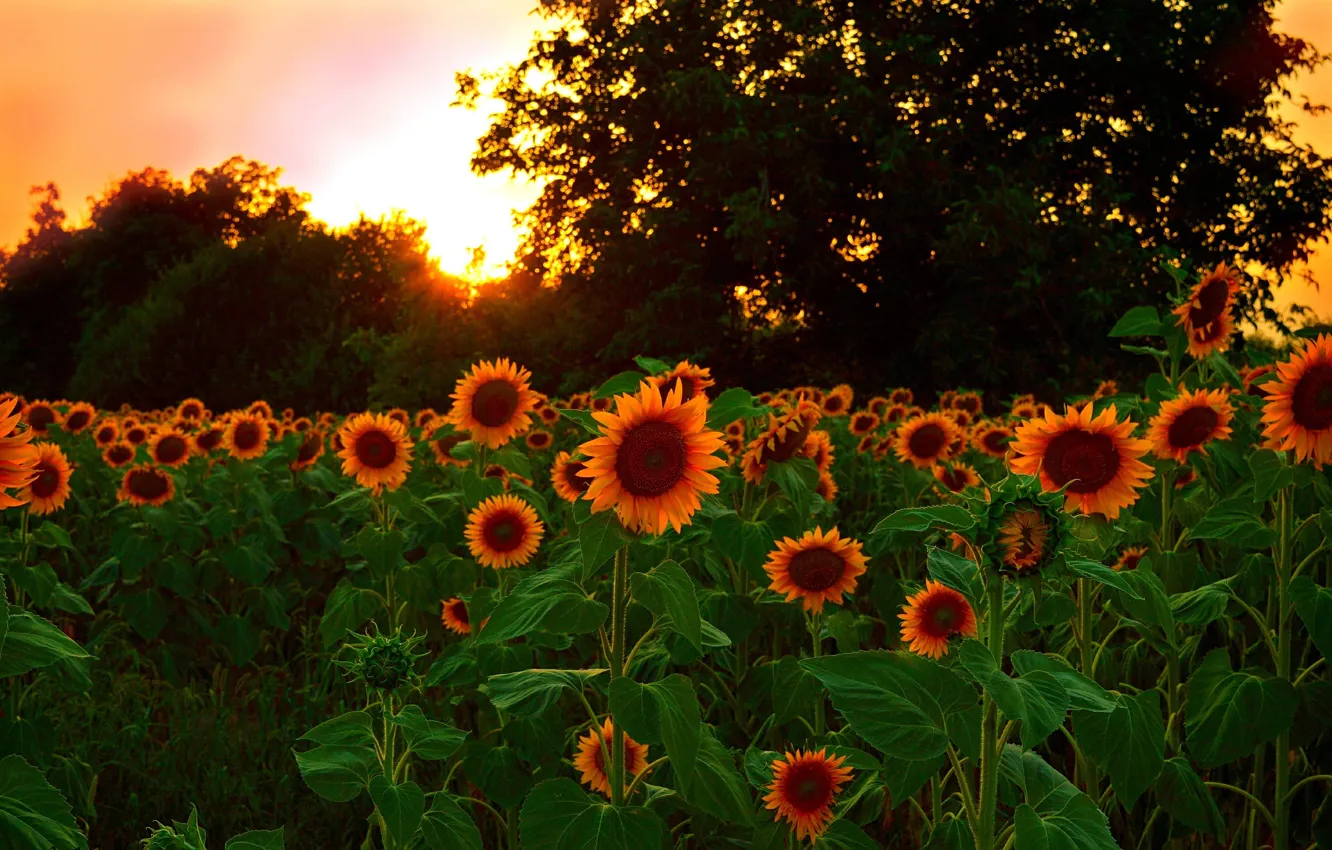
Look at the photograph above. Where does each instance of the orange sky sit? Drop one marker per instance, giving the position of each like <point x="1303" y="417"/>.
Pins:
<point x="350" y="97"/>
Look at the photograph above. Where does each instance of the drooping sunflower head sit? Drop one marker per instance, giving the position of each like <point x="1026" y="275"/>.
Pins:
<point x="933" y="616"/>
<point x="819" y="448"/>
<point x="827" y="487"/>
<point x="190" y="408"/>
<point x="309" y="451"/>
<point x="696" y="379"/>
<point x="454" y="616"/>
<point x="375" y="451"/>
<point x="1129" y="558"/>
<point x="78" y="417"/>
<point x="803" y="788"/>
<point x="991" y="438"/>
<point x="106" y="433"/>
<point x="1187" y="422"/>
<point x="118" y="454"/>
<point x="593" y="749"/>
<point x="1255" y="379"/>
<point x="493" y="402"/>
<point x="652" y="459"/>
<point x="1094" y="459"/>
<point x="40" y="416"/>
<point x="247" y="435"/>
<point x="863" y="423"/>
<point x="785" y="436"/>
<point x="956" y="477"/>
<point x="538" y="440"/>
<point x="1297" y="415"/>
<point x="48" y="491"/>
<point x="1206" y="315"/>
<point x="146" y="485"/>
<point x="503" y="531"/>
<point x="815" y="569"/>
<point x="926" y="440"/>
<point x="564" y="477"/>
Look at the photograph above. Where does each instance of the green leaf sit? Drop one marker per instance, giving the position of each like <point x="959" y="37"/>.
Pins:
<point x="1270" y="474"/>
<point x="258" y="839"/>
<point x="351" y="729"/>
<point x="447" y="827"/>
<point x="338" y="773"/>
<point x="1235" y="521"/>
<point x="904" y="778"/>
<point x="896" y="701"/>
<point x="667" y="589"/>
<point x="664" y="712"/>
<point x="1101" y="574"/>
<point x="746" y="543"/>
<point x="599" y="538"/>
<point x="1228" y="713"/>
<point x="558" y="815"/>
<point x="498" y="773"/>
<point x="346" y="609"/>
<point x="734" y="404"/>
<point x="953" y="834"/>
<point x="951" y="517"/>
<point x="1181" y="792"/>
<point x="718" y="787"/>
<point x="954" y="571"/>
<point x="625" y="382"/>
<point x="530" y="692"/>
<point x="400" y="807"/>
<point x="33" y="814"/>
<point x="793" y="689"/>
<point x="1201" y="606"/>
<point x="543" y="602"/>
<point x="51" y="536"/>
<point x="1314" y="605"/>
<point x="381" y="549"/>
<point x="1037" y="699"/>
<point x="652" y="365"/>
<point x="1083" y="693"/>
<point x="797" y="478"/>
<point x="845" y="835"/>
<point x="1138" y="321"/>
<point x="32" y="642"/>
<point x="1128" y="742"/>
<point x="429" y="739"/>
<point x="1077" y="826"/>
<point x="583" y="418"/>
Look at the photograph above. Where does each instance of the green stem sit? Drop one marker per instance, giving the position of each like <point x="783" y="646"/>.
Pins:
<point x="619" y="588"/>
<point x="1253" y="801"/>
<point x="1091" y="778"/>
<point x="816" y="632"/>
<point x="1282" y="814"/>
<point x="983" y="831"/>
<point x="1167" y="516"/>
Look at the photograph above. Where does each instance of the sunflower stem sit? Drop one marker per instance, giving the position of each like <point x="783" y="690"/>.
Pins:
<point x="619" y="586"/>
<point x="816" y="633"/>
<point x="990" y="747"/>
<point x="1091" y="780"/>
<point x="1280" y="803"/>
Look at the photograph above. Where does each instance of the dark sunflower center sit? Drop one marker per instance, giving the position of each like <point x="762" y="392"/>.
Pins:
<point x="942" y="617"/>
<point x="688" y="389"/>
<point x="171" y="449"/>
<point x="809" y="787"/>
<point x="40" y="417"/>
<point x="1089" y="461"/>
<point x="1131" y="561"/>
<point x="190" y="411"/>
<point x="651" y="459"/>
<point x="571" y="476"/>
<point x="1311" y="403"/>
<point x="147" y="484"/>
<point x="46" y="482"/>
<point x="503" y="532"/>
<point x="444" y="444"/>
<point x="816" y="569"/>
<point x="1212" y="300"/>
<point x="460" y="613"/>
<point x="597" y="755"/>
<point x="375" y="449"/>
<point x="970" y="404"/>
<point x="208" y="440"/>
<point x="136" y="435"/>
<point x="247" y="436"/>
<point x="78" y="420"/>
<point x="863" y="423"/>
<point x="995" y="441"/>
<point x="309" y="447"/>
<point x="954" y="479"/>
<point x="832" y="403"/>
<point x="119" y="454"/>
<point x="927" y="441"/>
<point x="1193" y="427"/>
<point x="494" y="403"/>
<point x="787" y="444"/>
<point x="106" y="434"/>
<point x="538" y="440"/>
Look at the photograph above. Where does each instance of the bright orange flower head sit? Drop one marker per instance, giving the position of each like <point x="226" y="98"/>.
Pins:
<point x="902" y="396"/>
<point x="538" y="439"/>
<point x="503" y="531"/>
<point x="18" y="458"/>
<point x="1129" y="558"/>
<point x="493" y="402"/>
<point x="49" y="490"/>
<point x="454" y="616"/>
<point x="815" y="569"/>
<point x="442" y="441"/>
<point x="208" y="438"/>
<point x="819" y="448"/>
<point x="146" y="485"/>
<point x="246" y="436"/>
<point x="862" y="423"/>
<point x="1188" y="422"/>
<point x="787" y="434"/>
<point x="1205" y="316"/>
<point x="991" y="438"/>
<point x="1023" y="538"/>
<point x="106" y="432"/>
<point x="1095" y="457"/>
<point x="696" y="379"/>
<point x="878" y="405"/>
<point x="652" y="459"/>
<point x="79" y="416"/>
<point x="191" y="408"/>
<point x="926" y="440"/>
<point x="261" y="409"/>
<point x="169" y="447"/>
<point x="118" y="454"/>
<point x="827" y="487"/>
<point x="40" y="416"/>
<point x="804" y="785"/>
<point x="838" y="401"/>
<point x="1297" y="415"/>
<point x="934" y="615"/>
<point x="591" y="759"/>
<point x="375" y="451"/>
<point x="565" y="479"/>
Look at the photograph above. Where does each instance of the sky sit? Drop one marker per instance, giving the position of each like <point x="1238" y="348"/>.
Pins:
<point x="349" y="97"/>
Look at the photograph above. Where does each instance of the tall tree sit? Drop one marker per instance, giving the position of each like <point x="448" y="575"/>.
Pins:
<point x="913" y="192"/>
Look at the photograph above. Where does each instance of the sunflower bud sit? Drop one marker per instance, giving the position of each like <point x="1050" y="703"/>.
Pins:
<point x="384" y="662"/>
<point x="1024" y="529"/>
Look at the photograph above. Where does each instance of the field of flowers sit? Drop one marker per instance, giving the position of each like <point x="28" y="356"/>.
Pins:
<point x="666" y="613"/>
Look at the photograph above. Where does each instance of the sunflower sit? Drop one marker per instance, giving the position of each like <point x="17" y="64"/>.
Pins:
<point x="960" y="417"/>
<point x="208" y="438"/>
<point x="538" y="440"/>
<point x="902" y="396"/>
<point x="819" y="448"/>
<point x="1026" y="410"/>
<point x="1094" y="458"/>
<point x="1298" y="412"/>
<point x="48" y="491"/>
<point x="1023" y="538"/>
<point x="288" y="414"/>
<point x="454" y="616"/>
<point x="962" y="545"/>
<point x="499" y="473"/>
<point x="578" y="401"/>
<point x="887" y="445"/>
<point x="310" y="450"/>
<point x="827" y="487"/>
<point x="765" y="398"/>
<point x="599" y="405"/>
<point x="1185" y="477"/>
<point x="1251" y="378"/>
<point x="1188" y="422"/>
<point x="40" y="416"/>
<point x="785" y="435"/>
<point x="946" y="399"/>
<point x="247" y="435"/>
<point x="1129" y="558"/>
<point x="397" y="414"/>
<point x="17" y="457"/>
<point x="652" y="459"/>
<point x="503" y="531"/>
<point x="866" y="444"/>
<point x="735" y="429"/>
<point x="425" y="418"/>
<point x="262" y="409"/>
<point x="968" y="402"/>
<point x="169" y="447"/>
<point x="548" y="415"/>
<point x="838" y="401"/>
<point x="1106" y="389"/>
<point x="991" y="438"/>
<point x="492" y="402"/>
<point x="190" y="408"/>
<point x="696" y="379"/>
<point x="118" y="454"/>
<point x="375" y="451"/>
<point x="927" y="440"/>
<point x="565" y="479"/>
<point x="442" y="441"/>
<point x="106" y="432"/>
<point x="79" y="416"/>
<point x="956" y="477"/>
<point x="878" y="405"/>
<point x="862" y="423"/>
<point x="894" y="413"/>
<point x="932" y="616"/>
<point x="817" y="568"/>
<point x="146" y="485"/>
<point x="591" y="759"/>
<point x="804" y="785"/>
<point x="1205" y="316"/>
<point x="328" y="420"/>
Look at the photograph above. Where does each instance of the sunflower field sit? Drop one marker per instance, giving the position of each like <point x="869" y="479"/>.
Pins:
<point x="669" y="614"/>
